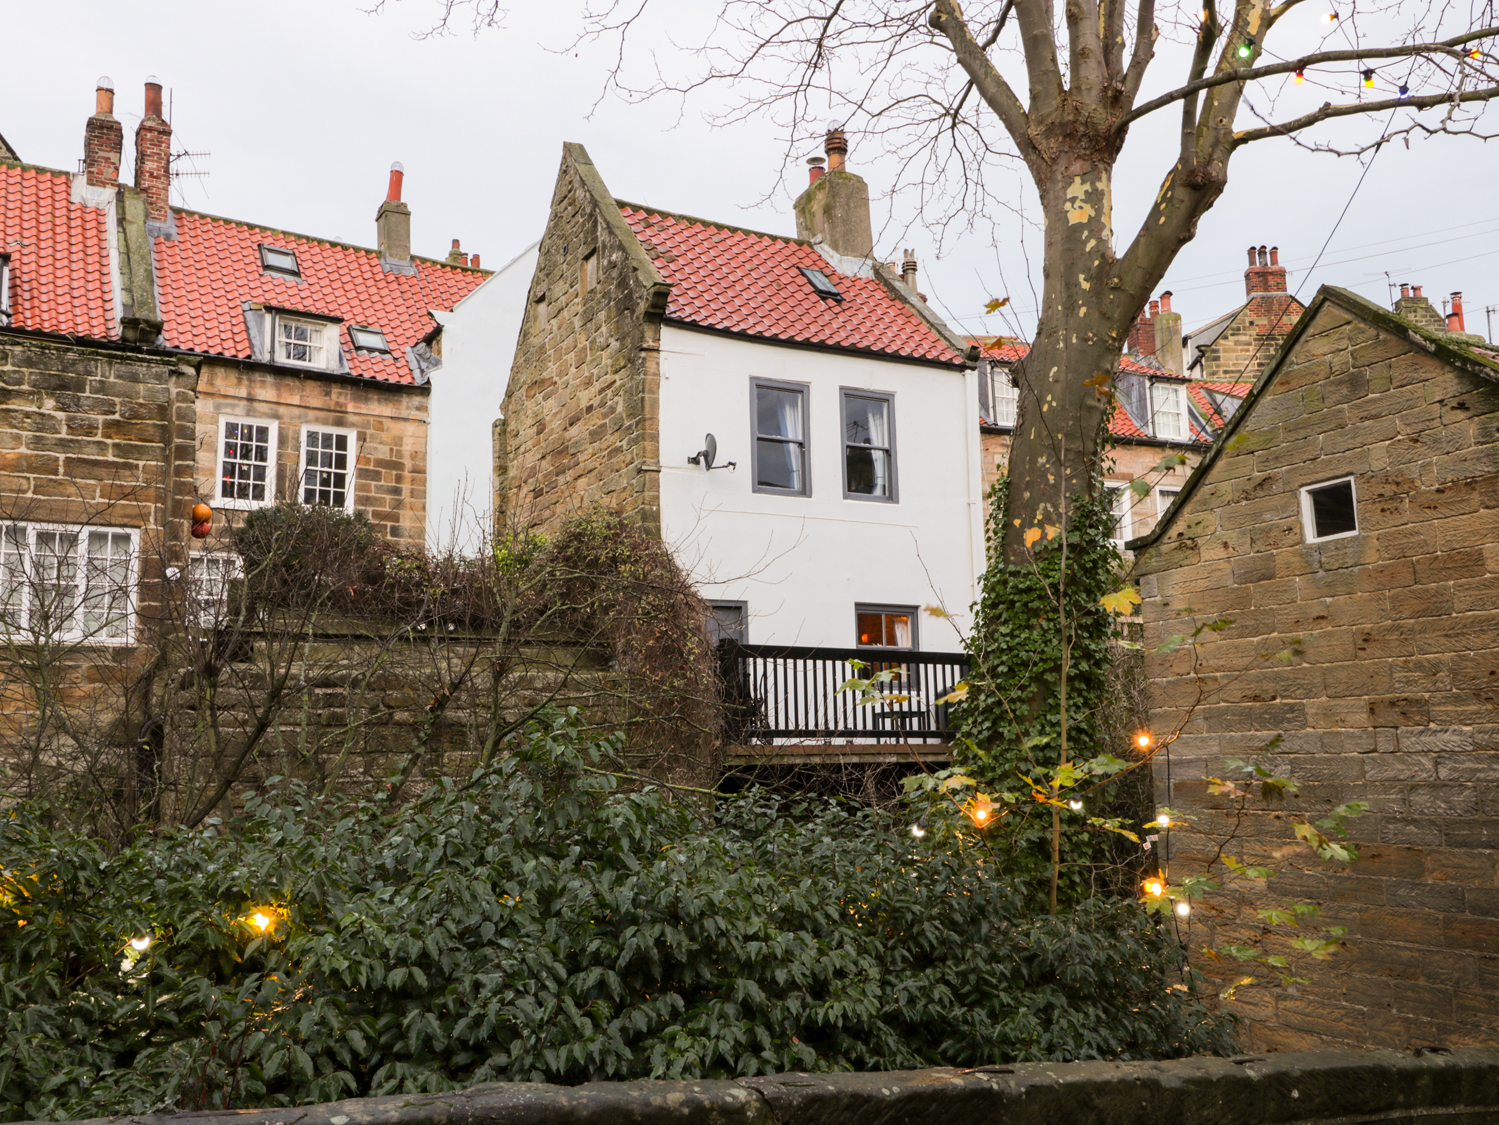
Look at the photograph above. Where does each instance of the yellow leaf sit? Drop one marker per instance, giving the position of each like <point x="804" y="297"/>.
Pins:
<point x="995" y="305"/>
<point x="1032" y="536"/>
<point x="937" y="611"/>
<point x="1228" y="993"/>
<point x="957" y="695"/>
<point x="957" y="781"/>
<point x="1102" y="380"/>
<point x="1121" y="601"/>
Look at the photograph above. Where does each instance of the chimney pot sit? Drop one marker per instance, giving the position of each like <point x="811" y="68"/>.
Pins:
<point x="1455" y="317"/>
<point x="103" y="139"/>
<point x="104" y="95"/>
<point x="1405" y="289"/>
<point x="1416" y="290"/>
<point x="474" y="261"/>
<point x="1166" y="301"/>
<point x="1155" y="309"/>
<point x="908" y="269"/>
<point x="836" y="146"/>
<point x="397" y="178"/>
<point x="1253" y="259"/>
<point x="835" y="209"/>
<point x="153" y="96"/>
<point x="464" y="259"/>
<point x="1264" y="257"/>
<point x="814" y="169"/>
<point x="1275" y="255"/>
<point x="393" y="224"/>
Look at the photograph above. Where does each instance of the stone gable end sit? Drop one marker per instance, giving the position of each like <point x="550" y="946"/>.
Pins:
<point x="580" y="417"/>
<point x="1391" y="690"/>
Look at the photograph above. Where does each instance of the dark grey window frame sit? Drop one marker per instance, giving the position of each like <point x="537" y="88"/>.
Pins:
<point x="743" y="607"/>
<point x="281" y="271"/>
<point x="888" y="397"/>
<point x="911" y="611"/>
<point x="1309" y="515"/>
<point x="823" y="285"/>
<point x="805" y="390"/>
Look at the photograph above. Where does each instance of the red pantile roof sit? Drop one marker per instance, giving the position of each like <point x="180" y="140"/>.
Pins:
<point x="1007" y="349"/>
<point x="750" y="283"/>
<point x="59" y="255"/>
<point x="207" y="273"/>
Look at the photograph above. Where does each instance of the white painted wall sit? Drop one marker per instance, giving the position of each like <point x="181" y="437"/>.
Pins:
<point x="478" y="346"/>
<point x="803" y="562"/>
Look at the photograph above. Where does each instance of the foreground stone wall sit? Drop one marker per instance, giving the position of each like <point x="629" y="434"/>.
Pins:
<point x="1391" y="690"/>
<point x="1335" y="1087"/>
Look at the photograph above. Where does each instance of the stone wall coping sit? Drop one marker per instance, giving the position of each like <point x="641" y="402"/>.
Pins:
<point x="1458" y="1086"/>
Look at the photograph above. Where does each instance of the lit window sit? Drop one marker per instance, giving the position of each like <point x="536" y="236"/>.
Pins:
<point x="327" y="474"/>
<point x="273" y="259"/>
<point x="67" y="583"/>
<point x="302" y="342"/>
<point x="821" y="283"/>
<point x="368" y="339"/>
<point x="886" y="626"/>
<point x="1329" y="510"/>
<point x="247" y="462"/>
<point x="780" y="438"/>
<point x="1163" y="499"/>
<point x="1168" y="411"/>
<point x="209" y="579"/>
<point x="4" y="290"/>
<point x="868" y="447"/>
<point x="1003" y="395"/>
<point x="588" y="271"/>
<point x="1120" y="501"/>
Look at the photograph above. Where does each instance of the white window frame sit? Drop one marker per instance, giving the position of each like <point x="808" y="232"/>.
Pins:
<point x="79" y="581"/>
<point x="302" y="468"/>
<point x="330" y="345"/>
<point x="1309" y="519"/>
<point x="1163" y="499"/>
<point x="1178" y="395"/>
<point x="1004" y="397"/>
<point x="207" y="595"/>
<point x="1121" y="505"/>
<point x="5" y="314"/>
<point x="234" y="503"/>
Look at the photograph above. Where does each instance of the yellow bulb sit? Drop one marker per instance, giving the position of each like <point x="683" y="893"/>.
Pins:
<point x="1154" y="888"/>
<point x="1142" y="741"/>
<point x="1330" y="17"/>
<point x="918" y="831"/>
<point x="981" y="814"/>
<point x="1183" y="908"/>
<point x="1163" y="821"/>
<point x="140" y="944"/>
<point x="261" y="920"/>
<point x="1075" y="806"/>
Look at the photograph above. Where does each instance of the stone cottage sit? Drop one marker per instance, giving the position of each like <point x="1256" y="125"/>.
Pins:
<point x="1348" y="520"/>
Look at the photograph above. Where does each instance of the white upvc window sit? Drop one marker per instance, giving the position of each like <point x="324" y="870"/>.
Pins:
<point x="67" y="583"/>
<point x="1329" y="510"/>
<point x="1164" y="498"/>
<point x="247" y="462"/>
<point x="304" y="343"/>
<point x="1168" y="411"/>
<point x="1003" y="395"/>
<point x="327" y="472"/>
<point x="1121" y="499"/>
<point x="209" y="578"/>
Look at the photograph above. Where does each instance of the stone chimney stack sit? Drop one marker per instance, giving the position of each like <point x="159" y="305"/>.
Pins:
<point x="1418" y="310"/>
<point x="103" y="139"/>
<point x="1168" y="338"/>
<point x="835" y="206"/>
<point x="1265" y="273"/>
<point x="455" y="255"/>
<point x="1455" y="317"/>
<point x="393" y="223"/>
<point x="153" y="156"/>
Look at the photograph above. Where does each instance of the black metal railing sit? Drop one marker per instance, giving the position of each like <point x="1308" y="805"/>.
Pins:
<point x="774" y="692"/>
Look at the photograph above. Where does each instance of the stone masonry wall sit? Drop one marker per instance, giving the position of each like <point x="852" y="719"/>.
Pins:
<point x="581" y="421"/>
<point x="1252" y="338"/>
<point x="1392" y="696"/>
<point x="391" y="482"/>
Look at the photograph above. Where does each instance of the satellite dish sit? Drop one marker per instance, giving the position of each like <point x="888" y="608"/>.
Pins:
<point x="710" y="451"/>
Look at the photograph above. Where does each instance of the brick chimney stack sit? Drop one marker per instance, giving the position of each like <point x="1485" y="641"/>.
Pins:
<point x="835" y="206"/>
<point x="1141" y="339"/>
<point x="393" y="223"/>
<point x="153" y="156"/>
<point x="1455" y="317"/>
<point x="103" y="139"/>
<point x="1265" y="273"/>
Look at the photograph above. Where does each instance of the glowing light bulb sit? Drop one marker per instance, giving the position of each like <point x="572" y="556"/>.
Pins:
<point x="140" y="944"/>
<point x="1368" y="80"/>
<point x="262" y="920"/>
<point x="980" y="814"/>
<point x="1163" y="822"/>
<point x="1473" y="54"/>
<point x="1300" y="77"/>
<point x="1075" y="806"/>
<point x="1246" y="48"/>
<point x="1142" y="740"/>
<point x="1154" y="887"/>
<point x="1183" y="909"/>
<point x="918" y="831"/>
<point x="1330" y="17"/>
<point x="1405" y="91"/>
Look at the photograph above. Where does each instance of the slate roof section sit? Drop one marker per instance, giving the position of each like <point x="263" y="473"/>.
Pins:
<point x="212" y="267"/>
<point x="59" y="255"/>
<point x="751" y="284"/>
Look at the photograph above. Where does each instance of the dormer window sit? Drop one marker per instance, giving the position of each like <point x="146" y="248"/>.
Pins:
<point x="1168" y="411"/>
<point x="821" y="283"/>
<point x="368" y="339"/>
<point x="273" y="259"/>
<point x="4" y="290"/>
<point x="302" y="342"/>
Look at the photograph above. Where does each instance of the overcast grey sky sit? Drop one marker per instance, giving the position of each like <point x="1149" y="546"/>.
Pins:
<point x="303" y="104"/>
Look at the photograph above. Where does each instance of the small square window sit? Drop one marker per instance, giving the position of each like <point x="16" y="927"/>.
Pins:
<point x="273" y="259"/>
<point x="1329" y="510"/>
<point x="727" y="621"/>
<point x="821" y="283"/>
<point x="368" y="339"/>
<point x="886" y="626"/>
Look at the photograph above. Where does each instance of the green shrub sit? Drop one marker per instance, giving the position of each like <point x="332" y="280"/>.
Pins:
<point x="537" y="922"/>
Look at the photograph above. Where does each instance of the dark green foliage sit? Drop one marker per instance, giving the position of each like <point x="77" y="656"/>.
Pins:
<point x="298" y="555"/>
<point x="539" y="923"/>
<point x="1011" y="722"/>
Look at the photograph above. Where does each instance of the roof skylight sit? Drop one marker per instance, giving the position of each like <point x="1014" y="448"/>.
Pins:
<point x="821" y="283"/>
<point x="273" y="259"/>
<point x="368" y="339"/>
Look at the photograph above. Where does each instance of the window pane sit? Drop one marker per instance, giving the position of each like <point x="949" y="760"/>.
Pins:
<point x="1119" y="502"/>
<point x="779" y="413"/>
<point x="1004" y="397"/>
<point x="778" y="465"/>
<point x="1166" y="405"/>
<point x="871" y="629"/>
<point x="325" y="478"/>
<point x="12" y="577"/>
<point x="726" y="623"/>
<point x="866" y="421"/>
<point x="868" y="471"/>
<point x="106" y="592"/>
<point x="1332" y="510"/>
<point x="54" y="582"/>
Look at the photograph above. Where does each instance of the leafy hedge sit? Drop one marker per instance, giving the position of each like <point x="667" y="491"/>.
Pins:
<point x="537" y="922"/>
